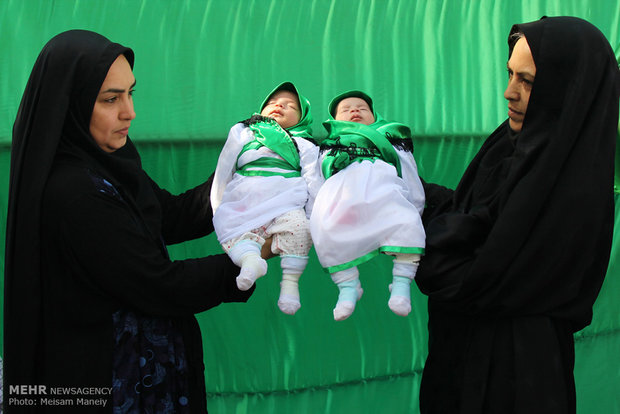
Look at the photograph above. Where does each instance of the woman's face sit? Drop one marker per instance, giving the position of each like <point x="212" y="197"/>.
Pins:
<point x="354" y="109"/>
<point x="113" y="110"/>
<point x="283" y="106"/>
<point x="521" y="74"/>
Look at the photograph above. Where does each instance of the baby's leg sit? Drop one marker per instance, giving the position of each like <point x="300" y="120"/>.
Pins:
<point x="292" y="268"/>
<point x="351" y="291"/>
<point x="245" y="253"/>
<point x="292" y="241"/>
<point x="405" y="268"/>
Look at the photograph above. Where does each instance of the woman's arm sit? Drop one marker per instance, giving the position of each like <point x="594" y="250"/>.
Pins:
<point x="190" y="215"/>
<point x="186" y="216"/>
<point x="438" y="198"/>
<point x="106" y="246"/>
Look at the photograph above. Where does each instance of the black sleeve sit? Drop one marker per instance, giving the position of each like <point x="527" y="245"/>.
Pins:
<point x="437" y="197"/>
<point x="186" y="216"/>
<point x="107" y="248"/>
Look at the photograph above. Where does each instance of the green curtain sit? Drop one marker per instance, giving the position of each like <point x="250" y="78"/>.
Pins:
<point x="437" y="66"/>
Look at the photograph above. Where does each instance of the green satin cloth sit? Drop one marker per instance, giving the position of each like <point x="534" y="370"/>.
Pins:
<point x="426" y="68"/>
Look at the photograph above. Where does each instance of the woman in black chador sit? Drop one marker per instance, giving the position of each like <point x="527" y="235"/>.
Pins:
<point x="516" y="255"/>
<point x="92" y="300"/>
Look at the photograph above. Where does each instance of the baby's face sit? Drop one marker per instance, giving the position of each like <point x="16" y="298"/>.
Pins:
<point x="354" y="109"/>
<point x="283" y="106"/>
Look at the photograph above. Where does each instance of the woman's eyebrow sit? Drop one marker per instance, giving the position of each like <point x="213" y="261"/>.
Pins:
<point x="116" y="90"/>
<point x="520" y="73"/>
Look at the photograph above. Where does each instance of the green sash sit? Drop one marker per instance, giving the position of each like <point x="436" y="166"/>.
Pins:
<point x="270" y="134"/>
<point x="363" y="143"/>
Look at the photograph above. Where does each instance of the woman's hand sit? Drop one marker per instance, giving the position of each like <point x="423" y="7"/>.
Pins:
<point x="266" y="252"/>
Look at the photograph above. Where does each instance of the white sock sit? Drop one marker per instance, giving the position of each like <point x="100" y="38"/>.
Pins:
<point x="400" y="296"/>
<point x="253" y="266"/>
<point x="292" y="268"/>
<point x="246" y="254"/>
<point x="400" y="289"/>
<point x="350" y="292"/>
<point x="289" y="301"/>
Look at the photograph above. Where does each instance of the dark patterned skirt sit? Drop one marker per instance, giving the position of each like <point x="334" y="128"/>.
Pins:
<point x="150" y="373"/>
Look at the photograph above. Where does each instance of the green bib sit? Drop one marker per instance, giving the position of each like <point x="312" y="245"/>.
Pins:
<point x="270" y="134"/>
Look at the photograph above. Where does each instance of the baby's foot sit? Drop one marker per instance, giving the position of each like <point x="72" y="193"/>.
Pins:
<point x="350" y="293"/>
<point x="400" y="305"/>
<point x="400" y="297"/>
<point x="252" y="269"/>
<point x="289" y="304"/>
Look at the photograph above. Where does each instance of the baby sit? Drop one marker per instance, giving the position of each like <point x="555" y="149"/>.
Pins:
<point x="371" y="201"/>
<point x="265" y="178"/>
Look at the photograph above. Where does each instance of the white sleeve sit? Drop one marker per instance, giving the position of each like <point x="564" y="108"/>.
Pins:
<point x="412" y="180"/>
<point x="226" y="163"/>
<point x="310" y="170"/>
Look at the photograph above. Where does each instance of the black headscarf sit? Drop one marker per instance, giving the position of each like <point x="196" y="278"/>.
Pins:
<point x="529" y="227"/>
<point x="52" y="125"/>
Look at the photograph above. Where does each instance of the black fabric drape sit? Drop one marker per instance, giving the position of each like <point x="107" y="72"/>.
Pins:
<point x="516" y="255"/>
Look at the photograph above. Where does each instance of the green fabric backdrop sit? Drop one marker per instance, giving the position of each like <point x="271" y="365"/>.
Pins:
<point x="438" y="66"/>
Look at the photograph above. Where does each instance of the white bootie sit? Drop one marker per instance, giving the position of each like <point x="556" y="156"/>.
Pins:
<point x="289" y="301"/>
<point x="400" y="289"/>
<point x="350" y="292"/>
<point x="292" y="268"/>
<point x="252" y="267"/>
<point x="400" y="297"/>
<point x="246" y="255"/>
